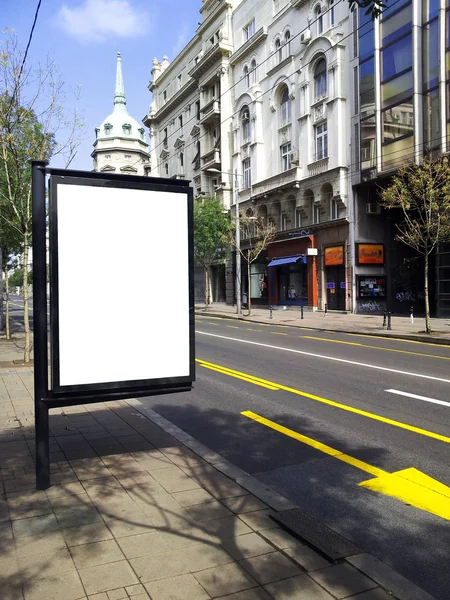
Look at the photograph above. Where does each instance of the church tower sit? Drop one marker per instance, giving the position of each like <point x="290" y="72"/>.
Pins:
<point x="120" y="145"/>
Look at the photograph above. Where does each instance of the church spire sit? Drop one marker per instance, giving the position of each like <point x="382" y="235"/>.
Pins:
<point x="119" y="94"/>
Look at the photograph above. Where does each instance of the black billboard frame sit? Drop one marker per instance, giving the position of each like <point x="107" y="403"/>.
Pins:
<point x="53" y="395"/>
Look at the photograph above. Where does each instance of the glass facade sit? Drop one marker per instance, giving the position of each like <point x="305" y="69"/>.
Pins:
<point x="367" y="91"/>
<point x="430" y="76"/>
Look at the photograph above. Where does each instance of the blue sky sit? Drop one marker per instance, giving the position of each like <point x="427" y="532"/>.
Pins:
<point x="84" y="36"/>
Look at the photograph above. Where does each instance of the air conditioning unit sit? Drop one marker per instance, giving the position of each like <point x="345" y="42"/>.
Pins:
<point x="305" y="37"/>
<point x="373" y="208"/>
<point x="294" y="157"/>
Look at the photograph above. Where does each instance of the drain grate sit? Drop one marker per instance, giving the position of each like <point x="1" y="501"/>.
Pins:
<point x="319" y="536"/>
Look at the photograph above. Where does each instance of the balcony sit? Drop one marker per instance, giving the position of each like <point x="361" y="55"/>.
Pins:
<point x="211" y="160"/>
<point x="320" y="165"/>
<point x="210" y="112"/>
<point x="285" y="179"/>
<point x="249" y="45"/>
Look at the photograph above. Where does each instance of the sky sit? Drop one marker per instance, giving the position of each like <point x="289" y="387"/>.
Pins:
<point x="84" y="36"/>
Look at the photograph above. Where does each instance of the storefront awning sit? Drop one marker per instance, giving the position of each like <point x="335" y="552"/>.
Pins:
<point x="284" y="260"/>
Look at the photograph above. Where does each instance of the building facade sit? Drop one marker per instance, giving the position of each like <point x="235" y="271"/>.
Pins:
<point x="400" y="113"/>
<point x="120" y="145"/>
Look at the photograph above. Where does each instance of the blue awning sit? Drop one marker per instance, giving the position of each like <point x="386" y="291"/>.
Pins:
<point x="284" y="260"/>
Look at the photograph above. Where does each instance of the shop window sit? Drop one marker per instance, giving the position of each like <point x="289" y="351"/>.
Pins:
<point x="320" y="79"/>
<point x="258" y="281"/>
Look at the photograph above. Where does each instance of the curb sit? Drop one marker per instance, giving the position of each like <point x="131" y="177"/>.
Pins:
<point x="408" y="336"/>
<point x="386" y="577"/>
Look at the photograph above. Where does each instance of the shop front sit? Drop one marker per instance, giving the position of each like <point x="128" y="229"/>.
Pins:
<point x="335" y="282"/>
<point x="292" y="276"/>
<point x="371" y="280"/>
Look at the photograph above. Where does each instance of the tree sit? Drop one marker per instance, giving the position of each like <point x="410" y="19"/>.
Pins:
<point x="257" y="233"/>
<point x="211" y="226"/>
<point x="10" y="243"/>
<point x="422" y="193"/>
<point x="33" y="125"/>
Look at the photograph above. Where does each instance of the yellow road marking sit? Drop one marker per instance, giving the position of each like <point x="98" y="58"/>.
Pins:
<point x="325" y="331"/>
<point x="363" y="413"/>
<point x="277" y="333"/>
<point x="409" y="485"/>
<point x="264" y="385"/>
<point x="311" y="337"/>
<point x="233" y="326"/>
<point x="379" y="337"/>
<point x="215" y="324"/>
<point x="251" y="329"/>
<point x="284" y="326"/>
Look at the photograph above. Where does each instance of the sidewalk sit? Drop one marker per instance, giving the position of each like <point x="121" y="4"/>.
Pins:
<point x="336" y="321"/>
<point x="139" y="509"/>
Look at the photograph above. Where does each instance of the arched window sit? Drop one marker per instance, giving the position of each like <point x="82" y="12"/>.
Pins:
<point x="331" y="5"/>
<point x="287" y="39"/>
<point x="253" y="72"/>
<point x="181" y="160"/>
<point x="285" y="105"/>
<point x="166" y="167"/>
<point x="319" y="20"/>
<point x="320" y="78"/>
<point x="246" y="76"/>
<point x="278" y="50"/>
<point x="245" y="118"/>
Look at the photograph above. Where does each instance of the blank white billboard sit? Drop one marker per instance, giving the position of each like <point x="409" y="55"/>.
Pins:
<point x="122" y="284"/>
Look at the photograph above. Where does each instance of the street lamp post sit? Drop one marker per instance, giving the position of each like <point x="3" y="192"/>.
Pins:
<point x="237" y="240"/>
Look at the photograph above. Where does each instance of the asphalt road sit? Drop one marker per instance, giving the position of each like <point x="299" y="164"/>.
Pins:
<point x="353" y="429"/>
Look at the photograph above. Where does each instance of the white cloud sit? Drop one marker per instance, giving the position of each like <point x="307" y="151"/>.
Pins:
<point x="97" y="20"/>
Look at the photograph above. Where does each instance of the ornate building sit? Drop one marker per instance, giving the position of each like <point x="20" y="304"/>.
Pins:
<point x="120" y="145"/>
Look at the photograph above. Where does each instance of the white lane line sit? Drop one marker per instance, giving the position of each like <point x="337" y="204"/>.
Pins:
<point x="342" y="360"/>
<point x="417" y="397"/>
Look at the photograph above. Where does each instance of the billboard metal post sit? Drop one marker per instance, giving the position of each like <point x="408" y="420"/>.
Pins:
<point x="40" y="325"/>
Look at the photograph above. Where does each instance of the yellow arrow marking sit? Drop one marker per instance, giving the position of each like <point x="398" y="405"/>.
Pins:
<point x="363" y="413"/>
<point x="410" y="485"/>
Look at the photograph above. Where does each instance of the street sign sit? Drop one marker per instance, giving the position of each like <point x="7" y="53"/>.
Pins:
<point x="102" y="228"/>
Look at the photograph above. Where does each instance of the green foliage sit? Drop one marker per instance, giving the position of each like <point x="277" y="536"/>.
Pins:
<point x="211" y="226"/>
<point x="16" y="279"/>
<point x="422" y="192"/>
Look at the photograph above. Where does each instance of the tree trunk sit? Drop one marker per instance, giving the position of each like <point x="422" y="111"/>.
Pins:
<point x="26" y="312"/>
<point x="207" y="288"/>
<point x="249" y="302"/>
<point x="427" y="300"/>
<point x="8" y="331"/>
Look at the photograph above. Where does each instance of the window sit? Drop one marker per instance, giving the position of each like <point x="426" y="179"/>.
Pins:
<point x="126" y="129"/>
<point x="245" y="118"/>
<point x="316" y="214"/>
<point x="285" y="104"/>
<point x="107" y="156"/>
<point x="197" y="110"/>
<point x="287" y="43"/>
<point x="298" y="219"/>
<point x="319" y="20"/>
<point x="398" y="121"/>
<point x="166" y="168"/>
<point x="127" y="156"/>
<point x="196" y="161"/>
<point x="278" y="51"/>
<point x="397" y="58"/>
<point x="283" y="221"/>
<point x="321" y="139"/>
<point x="249" y="30"/>
<point x="430" y="77"/>
<point x="355" y="90"/>
<point x="247" y="171"/>
<point x="142" y="133"/>
<point x="320" y="79"/>
<point x="367" y="88"/>
<point x="334" y="209"/>
<point x="164" y="96"/>
<point x="180" y="122"/>
<point x="181" y="160"/>
<point x="331" y="5"/>
<point x="246" y="76"/>
<point x="285" y="157"/>
<point x="253" y="72"/>
<point x="165" y="143"/>
<point x="180" y="81"/>
<point x="108" y="129"/>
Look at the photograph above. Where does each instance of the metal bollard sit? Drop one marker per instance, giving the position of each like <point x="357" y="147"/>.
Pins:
<point x="301" y="312"/>
<point x="270" y="315"/>
<point x="384" y="319"/>
<point x="389" y="321"/>
<point x="326" y="309"/>
<point x="412" y="314"/>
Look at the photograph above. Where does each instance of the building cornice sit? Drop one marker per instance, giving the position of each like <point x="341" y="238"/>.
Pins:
<point x="211" y="57"/>
<point x="172" y="102"/>
<point x="219" y="8"/>
<point x="249" y="45"/>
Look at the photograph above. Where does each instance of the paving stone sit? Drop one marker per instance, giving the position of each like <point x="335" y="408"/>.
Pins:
<point x="193" y="497"/>
<point x="94" y="532"/>
<point x="246" y="546"/>
<point x="132" y="526"/>
<point x="297" y="588"/>
<point x="134" y="590"/>
<point x="106" y="577"/>
<point x="17" y="485"/>
<point x="183" y="587"/>
<point x="209" y="511"/>
<point x="225" y="579"/>
<point x="342" y="580"/>
<point x="253" y="594"/>
<point x="244" y="504"/>
<point x="35" y="525"/>
<point x="270" y="567"/>
<point x="13" y="591"/>
<point x="5" y="532"/>
<point x="174" y="480"/>
<point x="44" y="544"/>
<point x="47" y="565"/>
<point x="75" y="517"/>
<point x="28" y="504"/>
<point x="156" y="542"/>
<point x="65" y="585"/>
<point x="65" y="489"/>
<point x="226" y="527"/>
<point x="102" y="596"/>
<point x="180" y="562"/>
<point x="93" y="473"/>
<point x="280" y="538"/>
<point x="375" y="594"/>
<point x="259" y="520"/>
<point x="63" y="502"/>
<point x="152" y="460"/>
<point x="117" y="594"/>
<point x="306" y="557"/>
<point x="96" y="553"/>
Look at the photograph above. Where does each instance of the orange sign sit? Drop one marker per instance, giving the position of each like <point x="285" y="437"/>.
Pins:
<point x="370" y="254"/>
<point x="334" y="255"/>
